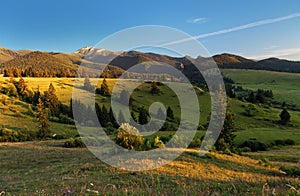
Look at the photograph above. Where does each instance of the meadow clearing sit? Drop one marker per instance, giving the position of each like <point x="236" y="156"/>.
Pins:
<point x="46" y="167"/>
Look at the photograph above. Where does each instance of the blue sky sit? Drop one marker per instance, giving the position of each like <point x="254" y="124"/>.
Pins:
<point x="69" y="25"/>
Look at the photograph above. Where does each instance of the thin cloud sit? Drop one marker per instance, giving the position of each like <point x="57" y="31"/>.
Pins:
<point x="277" y="53"/>
<point x="197" y="20"/>
<point x="238" y="28"/>
<point x="271" y="47"/>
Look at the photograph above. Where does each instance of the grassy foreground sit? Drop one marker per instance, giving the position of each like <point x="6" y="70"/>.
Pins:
<point x="45" y="168"/>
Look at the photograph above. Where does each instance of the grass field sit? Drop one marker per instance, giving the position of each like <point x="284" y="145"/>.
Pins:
<point x="47" y="168"/>
<point x="285" y="86"/>
<point x="25" y="167"/>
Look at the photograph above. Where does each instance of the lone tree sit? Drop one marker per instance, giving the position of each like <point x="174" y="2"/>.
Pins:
<point x="51" y="101"/>
<point x="21" y="86"/>
<point x="143" y="116"/>
<point x="104" y="90"/>
<point x="225" y="140"/>
<point x="160" y="114"/>
<point x="42" y="119"/>
<point x="285" y="116"/>
<point x="170" y="113"/>
<point x="87" y="84"/>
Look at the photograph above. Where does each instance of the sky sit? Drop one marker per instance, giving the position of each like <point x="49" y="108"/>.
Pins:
<point x="254" y="29"/>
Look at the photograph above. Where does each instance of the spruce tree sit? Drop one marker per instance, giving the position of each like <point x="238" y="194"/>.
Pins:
<point x="104" y="116"/>
<point x="21" y="86"/>
<point x="160" y="114"/>
<point x="104" y="90"/>
<point x="170" y="113"/>
<point x="87" y="84"/>
<point x="143" y="116"/>
<point x="51" y="101"/>
<point x="285" y="116"/>
<point x="112" y="118"/>
<point x="42" y="119"/>
<point x="226" y="137"/>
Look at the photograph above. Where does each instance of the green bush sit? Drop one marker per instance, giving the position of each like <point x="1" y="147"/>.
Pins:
<point x="254" y="145"/>
<point x="245" y="149"/>
<point x="165" y="138"/>
<point x="9" y="135"/>
<point x="196" y="143"/>
<point x="129" y="137"/>
<point x="74" y="143"/>
<point x="286" y="142"/>
<point x="65" y="119"/>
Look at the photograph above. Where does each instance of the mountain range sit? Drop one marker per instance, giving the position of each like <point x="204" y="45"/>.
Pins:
<point x="95" y="58"/>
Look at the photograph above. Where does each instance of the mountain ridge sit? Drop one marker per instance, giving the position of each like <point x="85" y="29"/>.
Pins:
<point x="98" y="57"/>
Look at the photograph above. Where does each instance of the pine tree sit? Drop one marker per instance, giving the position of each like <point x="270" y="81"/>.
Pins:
<point x="160" y="114"/>
<point x="251" y="98"/>
<point x="285" y="116"/>
<point x="226" y="137"/>
<point x="42" y="119"/>
<point x="143" y="116"/>
<point x="51" y="100"/>
<point x="112" y="118"/>
<point x="170" y="113"/>
<point x="104" y="117"/>
<point x="36" y="96"/>
<point x="104" y="90"/>
<point x="87" y="84"/>
<point x="21" y="86"/>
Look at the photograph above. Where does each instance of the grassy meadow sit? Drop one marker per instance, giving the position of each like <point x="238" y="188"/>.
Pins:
<point x="285" y="86"/>
<point x="47" y="168"/>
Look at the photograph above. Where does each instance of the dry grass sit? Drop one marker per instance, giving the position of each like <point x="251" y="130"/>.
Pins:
<point x="27" y="167"/>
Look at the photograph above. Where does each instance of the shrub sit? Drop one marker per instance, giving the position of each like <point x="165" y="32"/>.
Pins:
<point x="254" y="145"/>
<point x="110" y="129"/>
<point x="129" y="137"/>
<point x="74" y="143"/>
<point x="290" y="142"/>
<point x="196" y="143"/>
<point x="284" y="142"/>
<point x="9" y="135"/>
<point x="245" y="149"/>
<point x="165" y="138"/>
<point x="158" y="143"/>
<point x="65" y="119"/>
